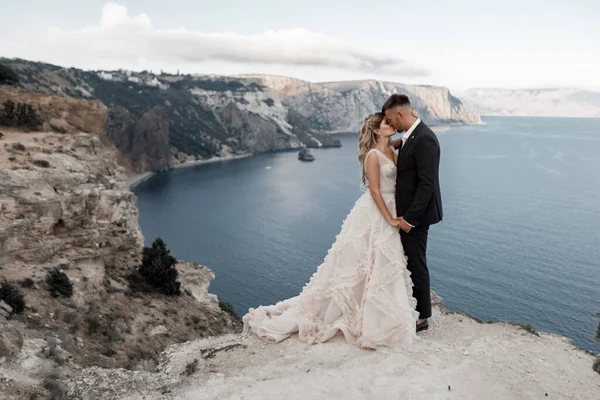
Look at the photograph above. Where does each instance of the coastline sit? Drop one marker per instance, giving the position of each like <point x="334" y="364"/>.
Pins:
<point x="137" y="179"/>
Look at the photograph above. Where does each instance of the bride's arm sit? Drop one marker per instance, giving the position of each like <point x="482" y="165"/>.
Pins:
<point x="373" y="177"/>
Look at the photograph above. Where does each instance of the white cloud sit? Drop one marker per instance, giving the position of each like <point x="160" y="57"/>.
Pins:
<point x="122" y="40"/>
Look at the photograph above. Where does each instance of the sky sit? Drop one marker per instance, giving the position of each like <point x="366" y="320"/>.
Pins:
<point x="459" y="44"/>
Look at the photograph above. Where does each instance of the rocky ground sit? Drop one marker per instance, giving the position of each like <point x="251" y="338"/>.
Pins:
<point x="65" y="203"/>
<point x="458" y="358"/>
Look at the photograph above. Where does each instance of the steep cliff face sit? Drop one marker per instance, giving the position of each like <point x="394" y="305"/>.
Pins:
<point x="144" y="142"/>
<point x="342" y="106"/>
<point x="65" y="203"/>
<point x="63" y="198"/>
<point x="257" y="118"/>
<point x="150" y="146"/>
<point x="253" y="118"/>
<point x="119" y="129"/>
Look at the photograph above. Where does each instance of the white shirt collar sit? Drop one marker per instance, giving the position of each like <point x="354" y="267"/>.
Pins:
<point x="410" y="130"/>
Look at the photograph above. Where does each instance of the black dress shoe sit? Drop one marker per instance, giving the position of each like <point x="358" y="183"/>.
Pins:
<point x="423" y="326"/>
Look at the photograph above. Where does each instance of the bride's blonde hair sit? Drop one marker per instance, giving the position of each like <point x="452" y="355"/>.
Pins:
<point x="368" y="139"/>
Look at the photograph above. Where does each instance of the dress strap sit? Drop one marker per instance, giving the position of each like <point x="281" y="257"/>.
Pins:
<point x="367" y="157"/>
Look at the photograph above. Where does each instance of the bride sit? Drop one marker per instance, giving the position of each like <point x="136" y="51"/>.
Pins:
<point x="363" y="288"/>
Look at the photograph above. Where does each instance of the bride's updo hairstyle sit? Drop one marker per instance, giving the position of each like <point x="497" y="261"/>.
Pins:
<point x="368" y="139"/>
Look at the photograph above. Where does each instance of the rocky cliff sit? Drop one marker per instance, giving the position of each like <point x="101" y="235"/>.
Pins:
<point x="341" y="106"/>
<point x="144" y="142"/>
<point x="70" y="244"/>
<point x="63" y="198"/>
<point x="26" y="110"/>
<point x="42" y="112"/>
<point x="212" y="116"/>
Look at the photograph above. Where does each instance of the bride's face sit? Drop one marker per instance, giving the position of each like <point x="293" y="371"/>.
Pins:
<point x="385" y="129"/>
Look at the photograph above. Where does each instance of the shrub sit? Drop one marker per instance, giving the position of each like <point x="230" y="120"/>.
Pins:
<point x="42" y="163"/>
<point x="596" y="365"/>
<point x="57" y="389"/>
<point x="21" y="115"/>
<point x="7" y="115"/>
<point x="13" y="297"/>
<point x="190" y="368"/>
<point x="158" y="269"/>
<point x="597" y="335"/>
<point x="93" y="324"/>
<point x="18" y="147"/>
<point x="60" y="284"/>
<point x="228" y="308"/>
<point x="220" y="85"/>
<point x="69" y="317"/>
<point x="112" y="336"/>
<point x="27" y="283"/>
<point x="8" y="76"/>
<point x="108" y="352"/>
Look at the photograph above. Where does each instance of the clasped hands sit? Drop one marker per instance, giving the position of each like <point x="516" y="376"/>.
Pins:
<point x="400" y="223"/>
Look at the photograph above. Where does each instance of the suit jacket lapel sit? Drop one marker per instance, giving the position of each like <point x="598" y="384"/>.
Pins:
<point x="409" y="141"/>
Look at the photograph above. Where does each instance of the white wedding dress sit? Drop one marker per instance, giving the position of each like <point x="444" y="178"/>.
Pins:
<point x="363" y="288"/>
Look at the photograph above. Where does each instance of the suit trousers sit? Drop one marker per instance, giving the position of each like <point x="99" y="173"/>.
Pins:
<point x="415" y="248"/>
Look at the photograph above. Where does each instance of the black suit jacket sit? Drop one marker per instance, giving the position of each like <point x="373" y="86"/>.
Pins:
<point x="418" y="195"/>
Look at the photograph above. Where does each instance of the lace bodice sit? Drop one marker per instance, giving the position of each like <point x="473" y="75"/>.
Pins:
<point x="387" y="172"/>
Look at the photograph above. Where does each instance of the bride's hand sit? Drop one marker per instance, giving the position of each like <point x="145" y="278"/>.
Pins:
<point x="394" y="222"/>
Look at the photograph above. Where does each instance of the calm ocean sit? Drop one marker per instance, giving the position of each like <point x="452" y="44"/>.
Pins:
<point x="520" y="240"/>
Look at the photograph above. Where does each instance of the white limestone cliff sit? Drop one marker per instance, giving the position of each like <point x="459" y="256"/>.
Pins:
<point x="342" y="106"/>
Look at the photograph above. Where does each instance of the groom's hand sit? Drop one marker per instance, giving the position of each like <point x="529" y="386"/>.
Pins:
<point x="404" y="225"/>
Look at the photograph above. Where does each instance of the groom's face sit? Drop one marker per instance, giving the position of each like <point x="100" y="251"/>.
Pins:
<point x="393" y="115"/>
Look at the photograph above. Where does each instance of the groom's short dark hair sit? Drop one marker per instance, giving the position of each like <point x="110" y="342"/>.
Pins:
<point x="394" y="101"/>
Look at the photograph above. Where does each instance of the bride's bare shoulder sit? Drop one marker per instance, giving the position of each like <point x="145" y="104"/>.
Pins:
<point x="371" y="159"/>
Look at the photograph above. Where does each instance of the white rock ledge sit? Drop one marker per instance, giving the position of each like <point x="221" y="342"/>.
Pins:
<point x="457" y="358"/>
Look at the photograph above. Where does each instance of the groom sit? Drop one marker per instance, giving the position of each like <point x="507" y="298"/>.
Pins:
<point x="418" y="196"/>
